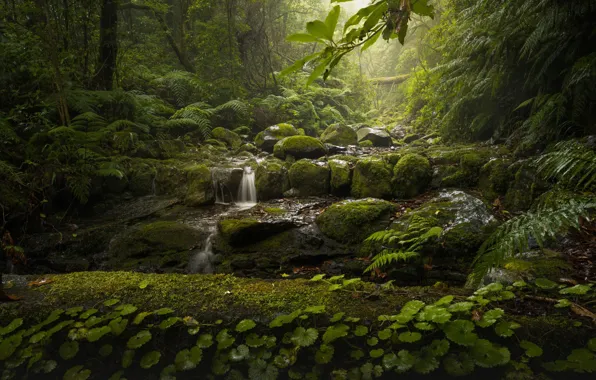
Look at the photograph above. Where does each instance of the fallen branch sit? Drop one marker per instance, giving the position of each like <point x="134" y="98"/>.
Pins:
<point x="575" y="308"/>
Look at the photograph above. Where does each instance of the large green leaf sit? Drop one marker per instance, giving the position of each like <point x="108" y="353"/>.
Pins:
<point x="150" y="359"/>
<point x="319" y="29"/>
<point x="68" y="350"/>
<point x="139" y="340"/>
<point x="302" y="37"/>
<point x="318" y="71"/>
<point x="331" y="20"/>
<point x="461" y="332"/>
<point x="422" y="8"/>
<point x="303" y="337"/>
<point x="371" y="41"/>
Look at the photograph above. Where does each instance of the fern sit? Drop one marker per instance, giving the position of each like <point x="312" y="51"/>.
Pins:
<point x="88" y="121"/>
<point x="80" y="186"/>
<point x="398" y="246"/>
<point x="512" y="237"/>
<point x="180" y="127"/>
<point x="571" y="163"/>
<point x="127" y="126"/>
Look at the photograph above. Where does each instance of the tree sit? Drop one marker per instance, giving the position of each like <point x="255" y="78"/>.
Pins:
<point x="108" y="45"/>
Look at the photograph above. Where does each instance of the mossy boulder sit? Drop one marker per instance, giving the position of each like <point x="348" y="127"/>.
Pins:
<point x="494" y="178"/>
<point x="163" y="245"/>
<point x="341" y="177"/>
<point x="309" y="178"/>
<point x="200" y="186"/>
<point x="377" y="136"/>
<point x="529" y="266"/>
<point x="350" y="222"/>
<point x="411" y="176"/>
<point x="171" y="179"/>
<point x="267" y="139"/>
<point x="231" y="139"/>
<point x="142" y="178"/>
<point x="466" y="223"/>
<point x="339" y="134"/>
<point x="271" y="180"/>
<point x="526" y="186"/>
<point x="372" y="178"/>
<point x="245" y="231"/>
<point x="299" y="147"/>
<point x="248" y="148"/>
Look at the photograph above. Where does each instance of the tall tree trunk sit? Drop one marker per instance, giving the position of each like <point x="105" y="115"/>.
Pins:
<point x="108" y="45"/>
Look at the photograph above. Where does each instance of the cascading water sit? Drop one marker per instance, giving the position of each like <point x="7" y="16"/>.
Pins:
<point x="201" y="261"/>
<point x="247" y="193"/>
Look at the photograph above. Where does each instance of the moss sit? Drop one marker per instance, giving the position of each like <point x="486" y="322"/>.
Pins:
<point x="410" y="138"/>
<point x="230" y="138"/>
<point x="351" y="222"/>
<point x="494" y="179"/>
<point x="411" y="176"/>
<point x="274" y="210"/>
<point x="372" y="178"/>
<point x="271" y="180"/>
<point x="215" y="143"/>
<point x="233" y="230"/>
<point x="243" y="131"/>
<point x="525" y="188"/>
<point x="200" y="186"/>
<point x="248" y="148"/>
<point x="339" y="134"/>
<point x="366" y="144"/>
<point x="341" y="177"/>
<point x="299" y="147"/>
<point x="344" y="157"/>
<point x="548" y="264"/>
<point x="267" y="139"/>
<point x="309" y="178"/>
<point x="142" y="176"/>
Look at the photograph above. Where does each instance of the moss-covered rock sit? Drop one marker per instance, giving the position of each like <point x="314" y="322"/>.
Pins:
<point x="309" y="178"/>
<point x="142" y="178"/>
<point x="248" y="148"/>
<point x="351" y="222"/>
<point x="466" y="223"/>
<point x="271" y="180"/>
<point x="243" y="131"/>
<point x="411" y="176"/>
<point x="299" y="147"/>
<point x="339" y="134"/>
<point x="525" y="187"/>
<point x="494" y="178"/>
<point x="267" y="139"/>
<point x="372" y="178"/>
<point x="230" y="138"/>
<point x="341" y="177"/>
<point x="377" y="136"/>
<point x="529" y="266"/>
<point x="160" y="245"/>
<point x="245" y="231"/>
<point x="200" y="186"/>
<point x="366" y="144"/>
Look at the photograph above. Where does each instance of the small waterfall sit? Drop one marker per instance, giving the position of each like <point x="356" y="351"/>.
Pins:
<point x="201" y="261"/>
<point x="247" y="193"/>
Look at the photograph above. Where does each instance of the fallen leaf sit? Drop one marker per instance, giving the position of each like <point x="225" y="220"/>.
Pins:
<point x="43" y="281"/>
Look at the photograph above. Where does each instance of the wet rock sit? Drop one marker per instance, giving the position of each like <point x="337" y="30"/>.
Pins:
<point x="310" y="178"/>
<point x="525" y="188"/>
<point x="379" y="137"/>
<point x="339" y="134"/>
<point x="529" y="266"/>
<point x="200" y="186"/>
<point x="372" y="178"/>
<point x="299" y="147"/>
<point x="341" y="177"/>
<point x="398" y="132"/>
<point x="248" y="148"/>
<point x="494" y="178"/>
<point x="245" y="231"/>
<point x="231" y="139"/>
<point x="466" y="223"/>
<point x="162" y="245"/>
<point x="334" y="149"/>
<point x="267" y="139"/>
<point x="271" y="180"/>
<point x="408" y="139"/>
<point x="142" y="179"/>
<point x="170" y="180"/>
<point x="350" y="222"/>
<point x="411" y="176"/>
<point x="227" y="182"/>
<point x="440" y="172"/>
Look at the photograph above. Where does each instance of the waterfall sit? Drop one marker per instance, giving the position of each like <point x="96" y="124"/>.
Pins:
<point x="201" y="261"/>
<point x="247" y="193"/>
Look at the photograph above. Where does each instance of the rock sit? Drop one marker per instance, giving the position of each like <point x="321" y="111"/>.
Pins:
<point x="411" y="138"/>
<point x="161" y="245"/>
<point x="341" y="177"/>
<point x="309" y="178"/>
<point x="398" y="132"/>
<point x="227" y="182"/>
<point x="411" y="176"/>
<point x="271" y="180"/>
<point x="494" y="179"/>
<point x="142" y="179"/>
<point x="170" y="180"/>
<point x="243" y="131"/>
<point x="200" y="186"/>
<point x="267" y="139"/>
<point x="335" y="149"/>
<point x="372" y="178"/>
<point x="231" y="139"/>
<point x="377" y="136"/>
<point x="299" y="147"/>
<point x="350" y="222"/>
<point x="440" y="172"/>
<point x="466" y="223"/>
<point x="241" y="232"/>
<point x="529" y="266"/>
<point x="366" y="144"/>
<point x="339" y="134"/>
<point x="248" y="148"/>
<point x="525" y="188"/>
<point x="215" y="143"/>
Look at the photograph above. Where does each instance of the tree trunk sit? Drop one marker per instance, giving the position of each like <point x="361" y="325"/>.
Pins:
<point x="108" y="45"/>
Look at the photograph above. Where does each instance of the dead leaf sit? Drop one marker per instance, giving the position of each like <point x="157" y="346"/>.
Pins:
<point x="41" y="282"/>
<point x="476" y="315"/>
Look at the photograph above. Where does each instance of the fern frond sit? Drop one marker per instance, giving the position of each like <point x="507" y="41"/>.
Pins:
<point x="88" y="121"/>
<point x="109" y="169"/>
<point x="571" y="163"/>
<point x="389" y="256"/>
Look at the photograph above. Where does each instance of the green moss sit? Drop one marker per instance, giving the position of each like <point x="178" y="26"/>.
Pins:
<point x="230" y="138"/>
<point x="243" y="131"/>
<point x="271" y="180"/>
<point x="351" y="222"/>
<point x="215" y="143"/>
<point x="274" y="210"/>
<point x="548" y="264"/>
<point x="339" y="134"/>
<point x="411" y="176"/>
<point x="372" y="178"/>
<point x="366" y="144"/>
<point x="343" y="157"/>
<point x="200" y="186"/>
<point x="269" y="137"/>
<point x="341" y="177"/>
<point x="494" y="179"/>
<point x="299" y="147"/>
<point x="309" y="178"/>
<point x="231" y="227"/>
<point x="142" y="176"/>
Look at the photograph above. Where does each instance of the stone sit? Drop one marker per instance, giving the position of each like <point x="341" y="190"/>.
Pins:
<point x="494" y="178"/>
<point x="309" y="178"/>
<point x="352" y="221"/>
<point x="299" y="147"/>
<point x="379" y="137"/>
<point x="341" y="177"/>
<point x="231" y="139"/>
<point x="339" y="134"/>
<point x="411" y="176"/>
<point x="271" y="180"/>
<point x="267" y="139"/>
<point x="398" y="132"/>
<point x="372" y="178"/>
<point x="200" y="186"/>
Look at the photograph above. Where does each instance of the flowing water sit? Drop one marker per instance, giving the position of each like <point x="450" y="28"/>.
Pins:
<point x="201" y="261"/>
<point x="247" y="193"/>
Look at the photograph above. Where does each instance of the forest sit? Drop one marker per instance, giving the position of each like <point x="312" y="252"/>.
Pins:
<point x="297" y="189"/>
